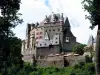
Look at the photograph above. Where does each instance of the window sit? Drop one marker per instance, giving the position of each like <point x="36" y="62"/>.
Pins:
<point x="37" y="33"/>
<point x="36" y="37"/>
<point x="36" y="42"/>
<point x="40" y="44"/>
<point x="34" y="46"/>
<point x="49" y="30"/>
<point x="45" y="30"/>
<point x="58" y="29"/>
<point x="56" y="33"/>
<point x="40" y="32"/>
<point x="67" y="39"/>
<point x="56" y="42"/>
<point x="32" y="33"/>
<point x="45" y="44"/>
<point x="40" y="37"/>
<point x="53" y="29"/>
<point x="56" y="38"/>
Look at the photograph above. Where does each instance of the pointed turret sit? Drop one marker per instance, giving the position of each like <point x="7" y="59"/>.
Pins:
<point x="90" y="41"/>
<point x="67" y="24"/>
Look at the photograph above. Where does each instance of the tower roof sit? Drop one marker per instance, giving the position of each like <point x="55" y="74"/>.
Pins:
<point x="67" y="24"/>
<point x="90" y="41"/>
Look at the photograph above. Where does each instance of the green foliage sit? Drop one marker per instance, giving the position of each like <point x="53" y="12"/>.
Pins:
<point x="92" y="7"/>
<point x="79" y="49"/>
<point x="28" y="69"/>
<point x="15" y="49"/>
<point x="88" y="59"/>
<point x="9" y="45"/>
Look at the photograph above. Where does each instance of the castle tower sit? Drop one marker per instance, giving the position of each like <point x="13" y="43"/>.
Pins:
<point x="28" y="34"/>
<point x="69" y="39"/>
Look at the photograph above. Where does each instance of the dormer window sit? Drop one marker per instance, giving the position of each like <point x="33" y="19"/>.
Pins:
<point x="67" y="39"/>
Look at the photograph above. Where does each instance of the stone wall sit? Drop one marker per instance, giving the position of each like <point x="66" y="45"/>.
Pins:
<point x="28" y="58"/>
<point x="72" y="60"/>
<point x="57" y="61"/>
<point x="47" y="51"/>
<point x="60" y="61"/>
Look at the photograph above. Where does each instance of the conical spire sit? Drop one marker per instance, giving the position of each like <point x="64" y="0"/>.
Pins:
<point x="90" y="41"/>
<point x="67" y="24"/>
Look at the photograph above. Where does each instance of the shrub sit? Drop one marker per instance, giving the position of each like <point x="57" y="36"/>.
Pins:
<point x="79" y="49"/>
<point x="88" y="59"/>
<point x="80" y="69"/>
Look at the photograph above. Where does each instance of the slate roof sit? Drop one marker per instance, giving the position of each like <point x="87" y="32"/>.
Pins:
<point x="90" y="41"/>
<point x="67" y="24"/>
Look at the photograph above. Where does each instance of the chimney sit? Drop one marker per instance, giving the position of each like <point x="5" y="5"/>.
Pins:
<point x="62" y="17"/>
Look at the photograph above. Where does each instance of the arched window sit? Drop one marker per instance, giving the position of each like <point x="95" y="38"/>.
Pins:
<point x="67" y="39"/>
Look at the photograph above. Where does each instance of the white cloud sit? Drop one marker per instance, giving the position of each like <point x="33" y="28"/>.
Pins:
<point x="32" y="11"/>
<point x="73" y="10"/>
<point x="35" y="10"/>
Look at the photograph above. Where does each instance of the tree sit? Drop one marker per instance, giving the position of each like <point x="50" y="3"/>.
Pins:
<point x="93" y="7"/>
<point x="79" y="49"/>
<point x="15" y="50"/>
<point x="9" y="19"/>
<point x="90" y="49"/>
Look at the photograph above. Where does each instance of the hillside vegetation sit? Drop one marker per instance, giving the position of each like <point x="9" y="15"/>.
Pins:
<point x="81" y="69"/>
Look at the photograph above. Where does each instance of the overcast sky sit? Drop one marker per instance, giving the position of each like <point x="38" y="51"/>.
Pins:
<point x="35" y="10"/>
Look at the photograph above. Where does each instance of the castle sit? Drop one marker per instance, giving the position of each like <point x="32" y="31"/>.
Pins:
<point x="52" y="36"/>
